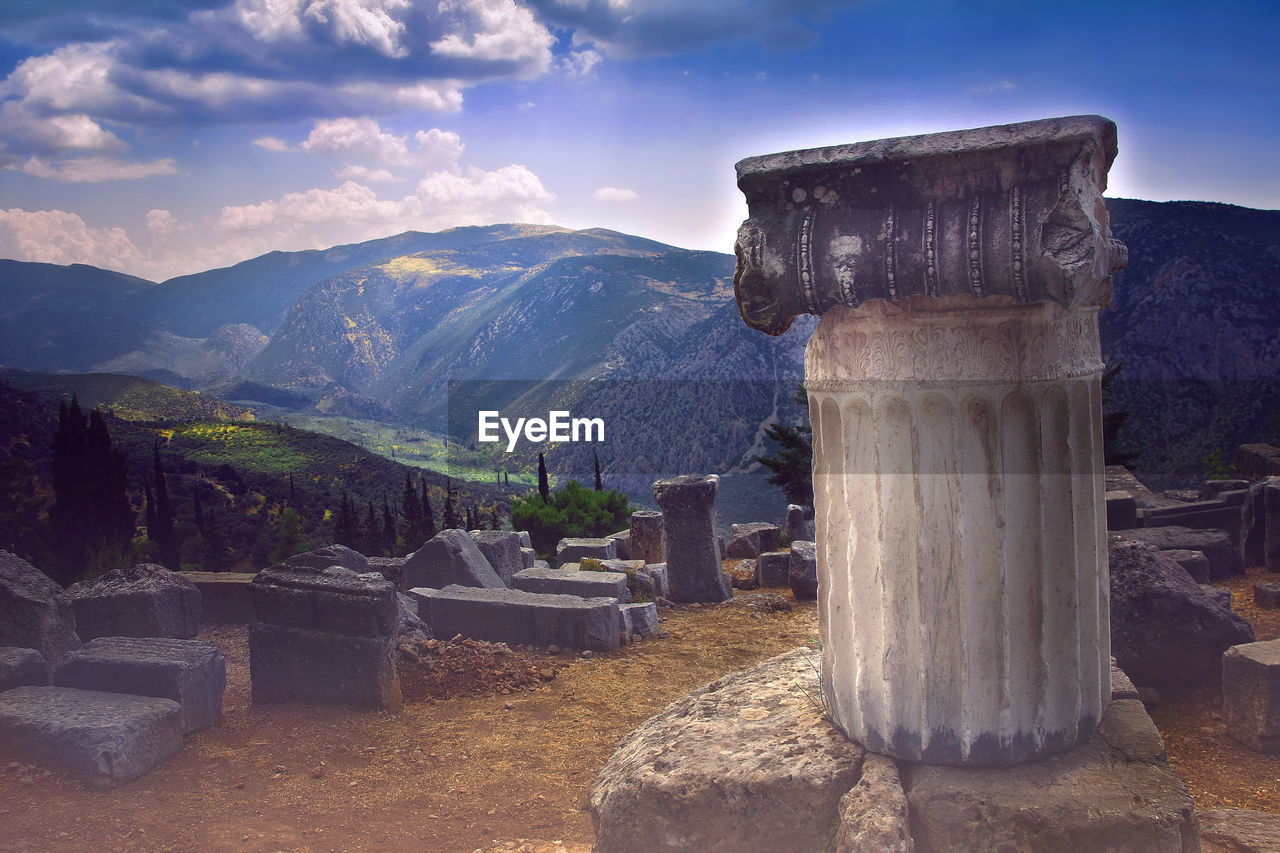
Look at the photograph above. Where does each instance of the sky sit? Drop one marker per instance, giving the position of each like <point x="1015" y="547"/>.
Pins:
<point x="161" y="138"/>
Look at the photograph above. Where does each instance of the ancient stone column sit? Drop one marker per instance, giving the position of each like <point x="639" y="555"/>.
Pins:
<point x="689" y="529"/>
<point x="646" y="536"/>
<point x="954" y="395"/>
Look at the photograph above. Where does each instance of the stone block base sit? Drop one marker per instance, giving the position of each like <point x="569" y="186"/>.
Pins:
<point x="102" y="739"/>
<point x="21" y="668"/>
<point x="749" y="763"/>
<point x="1251" y="694"/>
<point x="226" y="598"/>
<point x="191" y="673"/>
<point x="568" y="580"/>
<point x="517" y="617"/>
<point x="298" y="665"/>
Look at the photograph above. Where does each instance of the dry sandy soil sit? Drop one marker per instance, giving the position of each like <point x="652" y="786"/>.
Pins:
<point x="504" y="765"/>
<point x="475" y="772"/>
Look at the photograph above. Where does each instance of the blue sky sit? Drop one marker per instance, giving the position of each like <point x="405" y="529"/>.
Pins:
<point x="161" y="138"/>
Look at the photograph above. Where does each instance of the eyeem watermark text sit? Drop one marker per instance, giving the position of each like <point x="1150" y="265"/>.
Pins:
<point x="559" y="426"/>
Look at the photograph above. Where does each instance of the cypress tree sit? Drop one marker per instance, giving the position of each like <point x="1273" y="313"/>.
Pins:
<point x="388" y="528"/>
<point x="451" y="520"/>
<point x="544" y="486"/>
<point x="410" y="515"/>
<point x="599" y="482"/>
<point x="428" y="517"/>
<point x="199" y="510"/>
<point x="372" y="535"/>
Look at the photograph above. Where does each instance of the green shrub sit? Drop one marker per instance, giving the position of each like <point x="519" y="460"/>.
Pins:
<point x="570" y="512"/>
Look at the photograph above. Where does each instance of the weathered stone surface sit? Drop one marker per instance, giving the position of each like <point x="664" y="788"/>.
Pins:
<point x="502" y="549"/>
<point x="744" y="763"/>
<point x="35" y="613"/>
<point x="957" y="209"/>
<point x="647" y="541"/>
<point x="21" y="668"/>
<point x="528" y="557"/>
<point x="526" y="541"/>
<point x="1253" y="526"/>
<point x="1122" y="511"/>
<point x="802" y="569"/>
<point x="640" y="619"/>
<point x="1121" y="686"/>
<point x="450" y="558"/>
<point x="146" y="600"/>
<point x="1271" y="538"/>
<point x="748" y="541"/>
<point x="571" y="550"/>
<point x="1266" y="595"/>
<point x="744" y="575"/>
<point x="622" y="543"/>
<point x="330" y="555"/>
<point x="411" y="624"/>
<point x="571" y="581"/>
<point x="302" y="665"/>
<point x="658" y="572"/>
<point x="391" y="568"/>
<point x="926" y="257"/>
<point x="336" y="600"/>
<point x="191" y="673"/>
<point x="1224" y="559"/>
<point x="1195" y="562"/>
<point x="101" y="739"/>
<point x="514" y="616"/>
<point x="1239" y="831"/>
<point x="689" y="531"/>
<point x="1113" y="792"/>
<point x="798" y="525"/>
<point x="1198" y="515"/>
<point x="774" y="568"/>
<point x="1165" y="631"/>
<point x="1211" y="489"/>
<point x="640" y="584"/>
<point x="1251" y="694"/>
<point x="1220" y="594"/>
<point x="226" y="598"/>
<point x="873" y="815"/>
<point x="1255" y="461"/>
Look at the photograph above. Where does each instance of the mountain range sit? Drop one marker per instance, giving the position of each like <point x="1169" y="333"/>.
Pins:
<point x="420" y="328"/>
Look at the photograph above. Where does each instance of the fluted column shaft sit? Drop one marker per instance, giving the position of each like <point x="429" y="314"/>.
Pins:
<point x="959" y="506"/>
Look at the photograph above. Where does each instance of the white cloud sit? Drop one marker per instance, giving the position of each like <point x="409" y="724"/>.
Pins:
<point x="272" y="143"/>
<point x="92" y="170"/>
<point x="321" y="217"/>
<point x="526" y="106"/>
<point x="495" y="31"/>
<point x="364" y="174"/>
<point x="579" y="64"/>
<point x="615" y="194"/>
<point x="992" y="88"/>
<point x="363" y="22"/>
<point x="162" y="224"/>
<point x="364" y="138"/>
<point x="60" y="237"/>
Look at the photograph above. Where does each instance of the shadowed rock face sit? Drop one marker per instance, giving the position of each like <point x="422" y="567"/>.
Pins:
<point x="35" y="613"/>
<point x="1013" y="210"/>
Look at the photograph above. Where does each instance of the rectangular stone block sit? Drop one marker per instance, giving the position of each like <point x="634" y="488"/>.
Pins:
<point x="747" y="541"/>
<point x="773" y="569"/>
<point x="514" y="616"/>
<point x="622" y="543"/>
<point x="1251" y="694"/>
<point x="451" y="557"/>
<point x="191" y="673"/>
<point x="571" y="550"/>
<point x="391" y="568"/>
<point x="226" y="598"/>
<point x="1255" y="461"/>
<point x="335" y="600"/>
<point x="21" y="668"/>
<point x="573" y="582"/>
<point x="299" y="665"/>
<point x="658" y="571"/>
<point x="101" y="739"/>
<point x="502" y="549"/>
<point x="1200" y="515"/>
<point x="527" y="558"/>
<point x="1122" y="511"/>
<point x="640" y="619"/>
<point x="146" y="600"/>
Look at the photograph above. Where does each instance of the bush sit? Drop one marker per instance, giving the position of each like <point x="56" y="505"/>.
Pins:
<point x="571" y="512"/>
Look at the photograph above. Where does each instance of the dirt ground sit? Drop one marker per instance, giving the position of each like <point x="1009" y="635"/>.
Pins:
<point x="504" y="765"/>
<point x="495" y="771"/>
<point x="1219" y="772"/>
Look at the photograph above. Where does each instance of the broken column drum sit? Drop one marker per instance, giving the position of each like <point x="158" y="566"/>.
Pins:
<point x="954" y="393"/>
